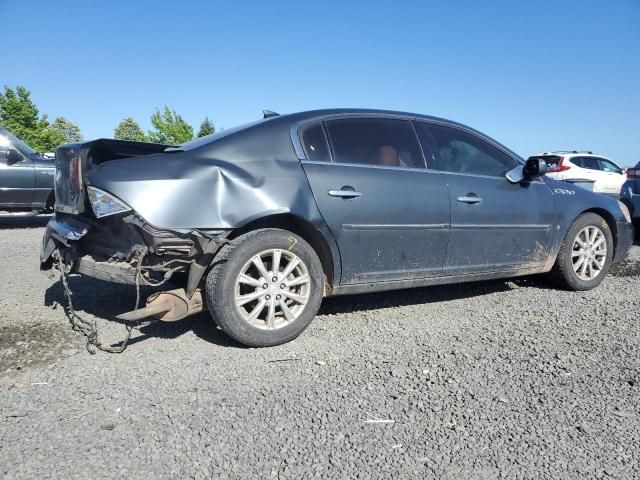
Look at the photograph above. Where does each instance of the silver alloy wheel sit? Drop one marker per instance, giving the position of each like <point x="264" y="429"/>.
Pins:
<point x="272" y="289"/>
<point x="589" y="253"/>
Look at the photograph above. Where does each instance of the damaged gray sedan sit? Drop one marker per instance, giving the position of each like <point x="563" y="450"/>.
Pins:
<point x="258" y="223"/>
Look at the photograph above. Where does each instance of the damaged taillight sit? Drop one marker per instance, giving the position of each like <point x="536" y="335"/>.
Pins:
<point x="104" y="204"/>
<point x="75" y="174"/>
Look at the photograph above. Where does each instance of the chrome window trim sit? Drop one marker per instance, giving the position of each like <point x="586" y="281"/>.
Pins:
<point x="411" y="169"/>
<point x="377" y="167"/>
<point x="478" y="175"/>
<point x="296" y="130"/>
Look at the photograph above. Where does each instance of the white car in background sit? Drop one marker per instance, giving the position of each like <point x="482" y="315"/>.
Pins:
<point x="607" y="176"/>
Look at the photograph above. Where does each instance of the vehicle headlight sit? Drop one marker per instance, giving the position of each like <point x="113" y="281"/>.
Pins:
<point x="625" y="211"/>
<point x="104" y="204"/>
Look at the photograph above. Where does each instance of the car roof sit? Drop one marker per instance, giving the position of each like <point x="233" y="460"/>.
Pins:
<point x="573" y="154"/>
<point x="311" y="114"/>
<point x="290" y="120"/>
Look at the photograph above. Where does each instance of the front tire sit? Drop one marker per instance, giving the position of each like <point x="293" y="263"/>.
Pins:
<point x="265" y="287"/>
<point x="585" y="254"/>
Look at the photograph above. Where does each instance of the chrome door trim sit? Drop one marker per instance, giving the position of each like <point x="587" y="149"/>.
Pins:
<point x="395" y="226"/>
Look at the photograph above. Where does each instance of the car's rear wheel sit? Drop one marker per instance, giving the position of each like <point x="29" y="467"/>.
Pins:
<point x="585" y="254"/>
<point x="265" y="287"/>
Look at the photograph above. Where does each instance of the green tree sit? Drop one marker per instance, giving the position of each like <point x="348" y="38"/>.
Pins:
<point x="128" y="129"/>
<point x="170" y="128"/>
<point x="206" y="128"/>
<point x="19" y="114"/>
<point x="64" y="131"/>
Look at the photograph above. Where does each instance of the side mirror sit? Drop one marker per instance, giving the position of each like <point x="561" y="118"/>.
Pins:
<point x="533" y="168"/>
<point x="10" y="156"/>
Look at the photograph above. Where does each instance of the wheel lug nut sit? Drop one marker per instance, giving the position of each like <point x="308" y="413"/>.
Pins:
<point x="275" y="279"/>
<point x="265" y="286"/>
<point x="283" y="286"/>
<point x="267" y="297"/>
<point x="278" y="297"/>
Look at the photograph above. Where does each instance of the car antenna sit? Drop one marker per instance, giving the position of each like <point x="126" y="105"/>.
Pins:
<point x="269" y="114"/>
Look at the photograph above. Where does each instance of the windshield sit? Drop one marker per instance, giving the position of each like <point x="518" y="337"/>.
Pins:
<point x="7" y="140"/>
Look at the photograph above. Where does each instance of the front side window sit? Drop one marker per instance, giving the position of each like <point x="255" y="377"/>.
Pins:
<point x="373" y="141"/>
<point x="461" y="152"/>
<point x="314" y="143"/>
<point x="609" y="166"/>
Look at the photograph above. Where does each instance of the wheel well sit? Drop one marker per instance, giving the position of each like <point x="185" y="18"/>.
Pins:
<point x="611" y="222"/>
<point x="628" y="204"/>
<point x="300" y="227"/>
<point x="51" y="200"/>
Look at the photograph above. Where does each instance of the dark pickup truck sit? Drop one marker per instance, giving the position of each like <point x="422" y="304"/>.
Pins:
<point x="26" y="177"/>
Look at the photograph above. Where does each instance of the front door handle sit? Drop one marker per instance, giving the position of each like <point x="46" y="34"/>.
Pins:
<point x="345" y="192"/>
<point x="470" y="199"/>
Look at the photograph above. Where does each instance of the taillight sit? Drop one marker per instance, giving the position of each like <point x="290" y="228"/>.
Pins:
<point x="633" y="172"/>
<point x="560" y="167"/>
<point x="75" y="174"/>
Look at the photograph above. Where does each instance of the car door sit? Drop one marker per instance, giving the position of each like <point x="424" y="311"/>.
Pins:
<point x="615" y="176"/>
<point x="591" y="170"/>
<point x="495" y="225"/>
<point x="17" y="179"/>
<point x="388" y="213"/>
<point x="44" y="171"/>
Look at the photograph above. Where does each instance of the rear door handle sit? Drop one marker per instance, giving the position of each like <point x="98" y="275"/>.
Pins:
<point x="471" y="200"/>
<point x="345" y="193"/>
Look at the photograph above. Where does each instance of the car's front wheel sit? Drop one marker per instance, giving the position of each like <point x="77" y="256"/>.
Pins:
<point x="265" y="287"/>
<point x="585" y="254"/>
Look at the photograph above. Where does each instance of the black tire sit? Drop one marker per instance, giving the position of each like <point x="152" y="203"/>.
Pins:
<point x="563" y="273"/>
<point x="220" y="286"/>
<point x="50" y="205"/>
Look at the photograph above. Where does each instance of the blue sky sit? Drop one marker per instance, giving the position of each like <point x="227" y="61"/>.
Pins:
<point x="536" y="76"/>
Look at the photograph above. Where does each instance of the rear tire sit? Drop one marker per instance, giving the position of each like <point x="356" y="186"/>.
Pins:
<point x="254" y="304"/>
<point x="50" y="205"/>
<point x="585" y="255"/>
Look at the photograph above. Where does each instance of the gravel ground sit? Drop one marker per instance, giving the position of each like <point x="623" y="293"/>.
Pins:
<point x="506" y="379"/>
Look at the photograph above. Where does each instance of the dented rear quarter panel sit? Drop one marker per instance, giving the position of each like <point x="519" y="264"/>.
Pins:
<point x="248" y="175"/>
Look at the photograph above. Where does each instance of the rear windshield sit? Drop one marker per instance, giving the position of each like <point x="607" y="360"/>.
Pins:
<point x="551" y="159"/>
<point x="199" y="142"/>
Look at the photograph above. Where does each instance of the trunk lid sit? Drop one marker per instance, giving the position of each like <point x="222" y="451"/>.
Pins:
<point x="74" y="160"/>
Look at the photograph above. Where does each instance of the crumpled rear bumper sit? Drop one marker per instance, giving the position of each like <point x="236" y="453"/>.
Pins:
<point x="58" y="233"/>
<point x="114" y="249"/>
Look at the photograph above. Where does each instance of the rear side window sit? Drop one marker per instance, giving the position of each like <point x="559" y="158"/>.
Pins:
<point x="379" y="142"/>
<point x="314" y="143"/>
<point x="461" y="152"/>
<point x="577" y="161"/>
<point x="590" y="162"/>
<point x="551" y="160"/>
